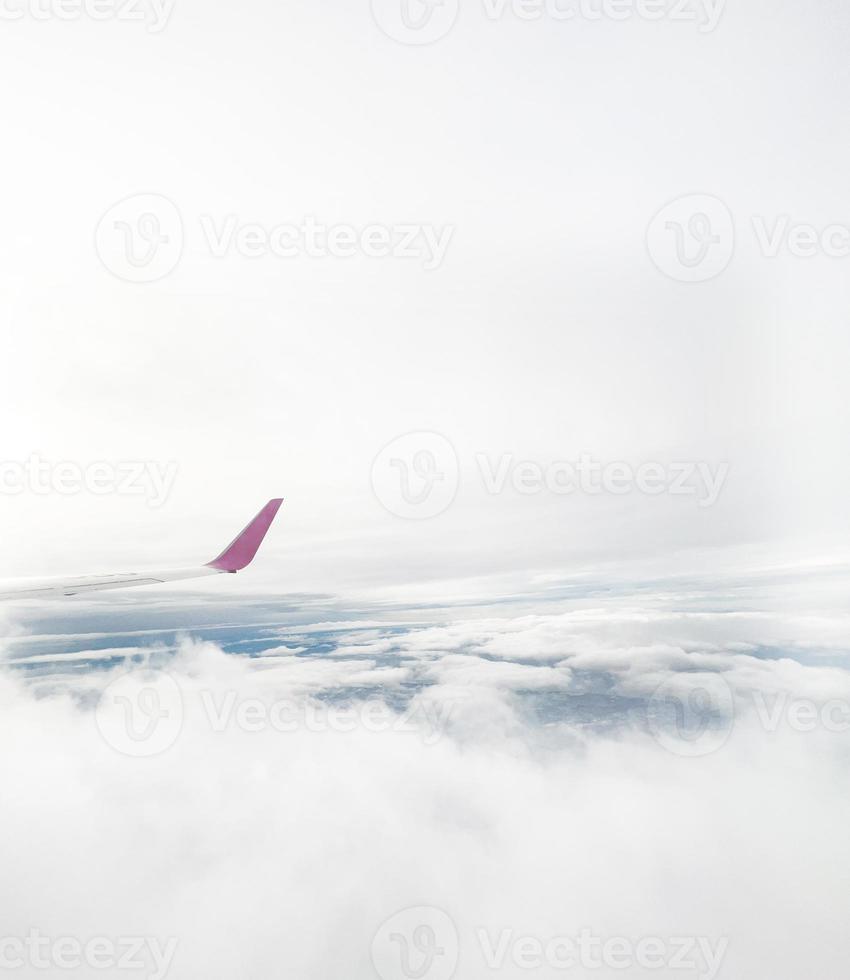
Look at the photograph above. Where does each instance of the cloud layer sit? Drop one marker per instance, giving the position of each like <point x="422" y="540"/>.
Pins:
<point x="529" y="778"/>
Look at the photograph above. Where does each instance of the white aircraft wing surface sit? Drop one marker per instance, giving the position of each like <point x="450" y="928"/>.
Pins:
<point x="236" y="556"/>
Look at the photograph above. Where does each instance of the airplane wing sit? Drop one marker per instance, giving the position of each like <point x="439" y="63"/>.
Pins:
<point x="236" y="556"/>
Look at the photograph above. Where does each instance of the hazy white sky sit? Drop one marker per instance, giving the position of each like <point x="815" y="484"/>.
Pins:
<point x="538" y="153"/>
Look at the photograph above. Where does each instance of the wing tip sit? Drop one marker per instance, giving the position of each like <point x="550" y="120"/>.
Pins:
<point x="241" y="551"/>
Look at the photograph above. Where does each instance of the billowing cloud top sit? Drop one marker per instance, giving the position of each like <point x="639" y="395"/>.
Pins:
<point x="605" y="776"/>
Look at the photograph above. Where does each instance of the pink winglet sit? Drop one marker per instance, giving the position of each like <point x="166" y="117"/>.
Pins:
<point x="240" y="552"/>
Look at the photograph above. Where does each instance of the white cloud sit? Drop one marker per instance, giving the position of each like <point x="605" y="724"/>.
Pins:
<point x="267" y="852"/>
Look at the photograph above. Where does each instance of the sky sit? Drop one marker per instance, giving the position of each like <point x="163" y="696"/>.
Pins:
<point x="556" y="322"/>
<point x="535" y="313"/>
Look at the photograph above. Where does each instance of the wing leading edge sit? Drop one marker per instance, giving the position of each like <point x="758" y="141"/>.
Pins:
<point x="235" y="557"/>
